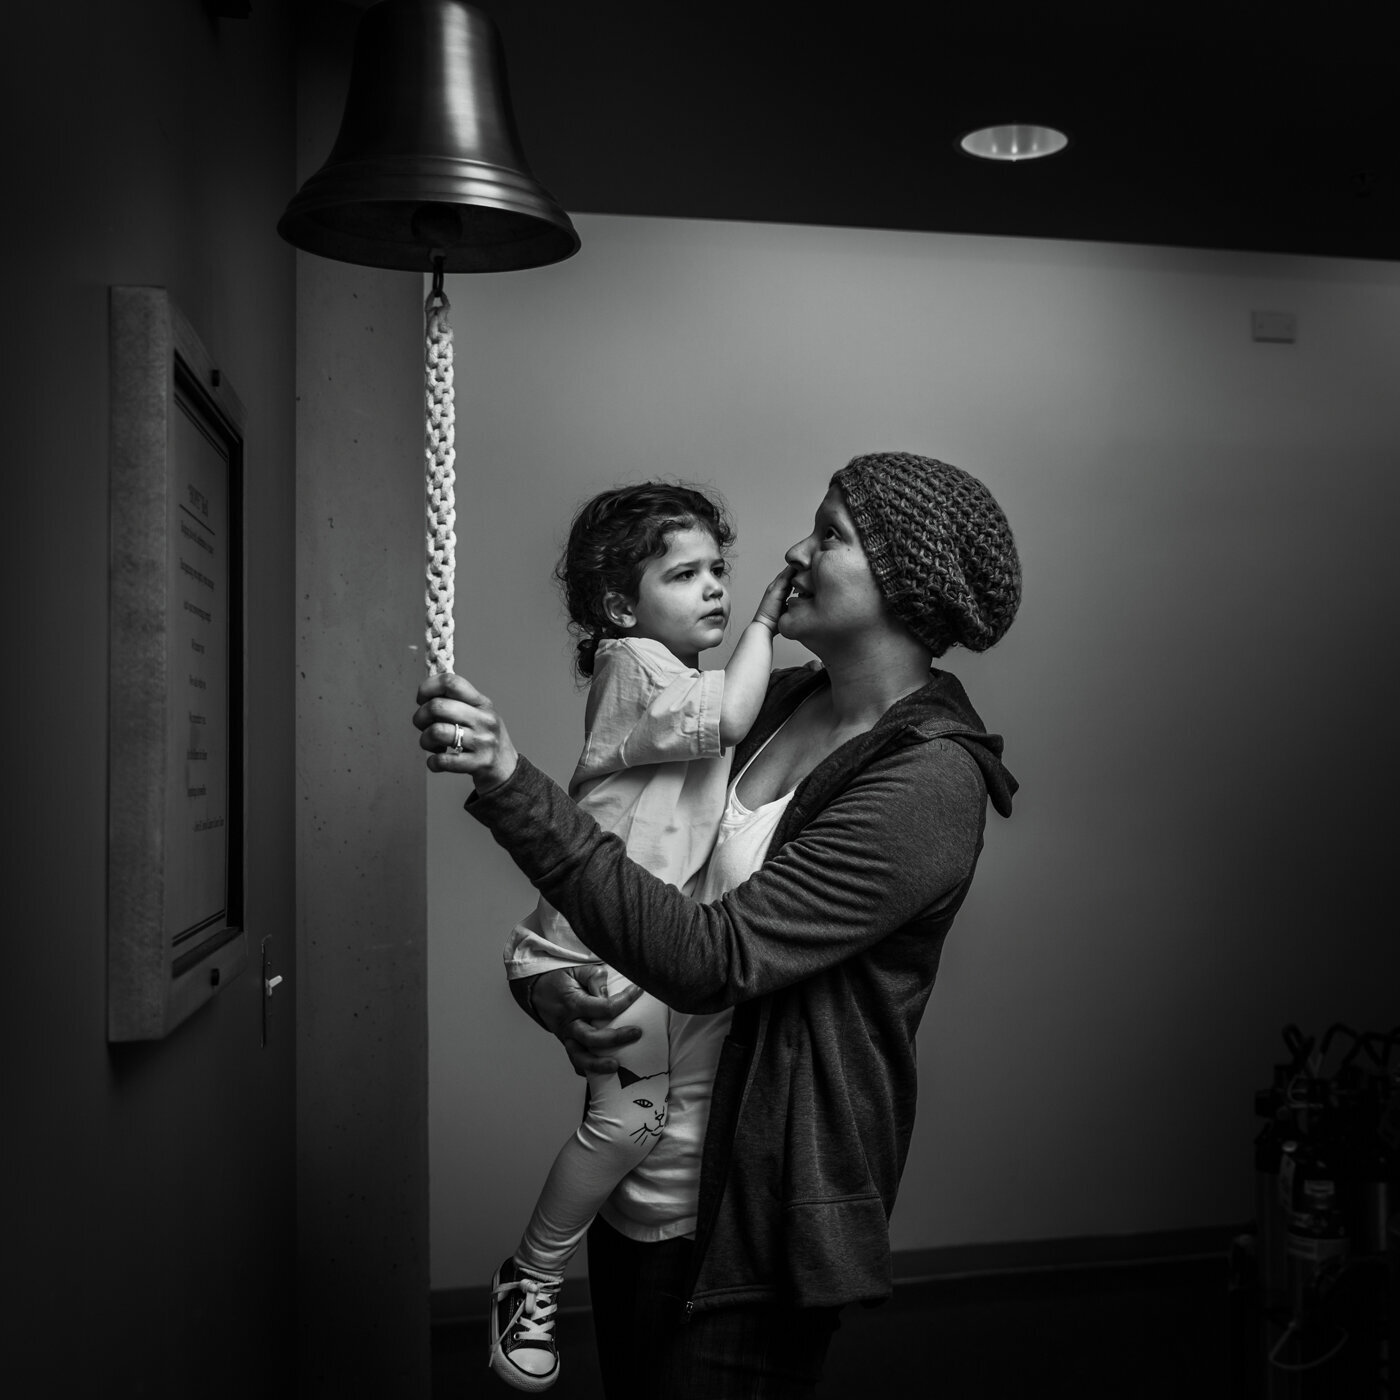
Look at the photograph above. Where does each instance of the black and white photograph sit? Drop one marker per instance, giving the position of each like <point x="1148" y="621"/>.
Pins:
<point x="700" y="702"/>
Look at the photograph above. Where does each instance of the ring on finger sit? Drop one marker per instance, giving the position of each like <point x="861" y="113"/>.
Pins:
<point x="456" y="745"/>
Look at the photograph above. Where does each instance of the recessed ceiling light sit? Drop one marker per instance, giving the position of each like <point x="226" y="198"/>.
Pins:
<point x="1020" y="141"/>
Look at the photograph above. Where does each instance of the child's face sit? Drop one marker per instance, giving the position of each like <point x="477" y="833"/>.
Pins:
<point x="682" y="599"/>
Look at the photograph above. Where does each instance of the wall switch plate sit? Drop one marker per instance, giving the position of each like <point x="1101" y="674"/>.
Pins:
<point x="1277" y="327"/>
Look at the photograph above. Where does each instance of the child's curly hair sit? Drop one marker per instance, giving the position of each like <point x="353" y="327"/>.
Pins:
<point x="612" y="539"/>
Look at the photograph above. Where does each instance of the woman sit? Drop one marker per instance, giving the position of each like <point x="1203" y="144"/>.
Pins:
<point x="856" y="819"/>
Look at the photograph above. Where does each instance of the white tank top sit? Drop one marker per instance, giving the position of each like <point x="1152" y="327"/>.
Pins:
<point x="657" y="1199"/>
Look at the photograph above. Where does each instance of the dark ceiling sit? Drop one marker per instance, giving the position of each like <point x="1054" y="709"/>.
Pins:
<point x="1240" y="127"/>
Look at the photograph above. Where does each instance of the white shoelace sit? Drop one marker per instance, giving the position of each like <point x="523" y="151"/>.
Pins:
<point x="535" y="1315"/>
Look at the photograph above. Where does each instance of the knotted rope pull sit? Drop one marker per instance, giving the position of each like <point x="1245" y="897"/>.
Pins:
<point x="440" y="458"/>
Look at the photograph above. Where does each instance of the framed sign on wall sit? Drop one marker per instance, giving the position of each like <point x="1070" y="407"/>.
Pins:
<point x="175" y="931"/>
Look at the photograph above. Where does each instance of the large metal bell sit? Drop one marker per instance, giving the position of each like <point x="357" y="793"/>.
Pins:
<point x="428" y="164"/>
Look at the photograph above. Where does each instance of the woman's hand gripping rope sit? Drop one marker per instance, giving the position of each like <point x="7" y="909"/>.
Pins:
<point x="462" y="733"/>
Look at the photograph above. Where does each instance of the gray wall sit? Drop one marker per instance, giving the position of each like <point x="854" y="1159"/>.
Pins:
<point x="149" y="1221"/>
<point x="1193" y="696"/>
<point x="362" y="1191"/>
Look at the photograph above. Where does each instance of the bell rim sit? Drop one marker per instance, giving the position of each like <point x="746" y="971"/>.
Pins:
<point x="553" y="243"/>
<point x="437" y="180"/>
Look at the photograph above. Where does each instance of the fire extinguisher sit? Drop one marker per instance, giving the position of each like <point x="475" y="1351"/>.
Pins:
<point x="1318" y="1239"/>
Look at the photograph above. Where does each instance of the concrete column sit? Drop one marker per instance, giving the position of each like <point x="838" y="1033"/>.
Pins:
<point x="362" y="1017"/>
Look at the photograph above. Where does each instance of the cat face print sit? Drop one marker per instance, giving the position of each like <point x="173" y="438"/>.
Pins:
<point x="648" y="1105"/>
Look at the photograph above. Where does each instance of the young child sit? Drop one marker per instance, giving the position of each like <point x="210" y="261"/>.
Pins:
<point x="645" y="582"/>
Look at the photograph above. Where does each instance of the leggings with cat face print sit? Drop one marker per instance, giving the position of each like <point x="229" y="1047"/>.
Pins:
<point x="623" y="1121"/>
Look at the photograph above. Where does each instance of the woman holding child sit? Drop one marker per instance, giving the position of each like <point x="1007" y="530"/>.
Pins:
<point x="799" y="968"/>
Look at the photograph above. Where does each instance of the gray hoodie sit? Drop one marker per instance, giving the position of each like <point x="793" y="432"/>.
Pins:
<point x="828" y="954"/>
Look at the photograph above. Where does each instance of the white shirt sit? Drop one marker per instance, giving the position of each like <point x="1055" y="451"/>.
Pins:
<point x="652" y="770"/>
<point x="657" y="1199"/>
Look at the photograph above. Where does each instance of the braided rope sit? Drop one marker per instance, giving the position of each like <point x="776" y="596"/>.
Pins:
<point x="440" y="480"/>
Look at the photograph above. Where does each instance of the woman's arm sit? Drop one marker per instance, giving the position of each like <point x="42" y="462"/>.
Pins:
<point x="898" y="840"/>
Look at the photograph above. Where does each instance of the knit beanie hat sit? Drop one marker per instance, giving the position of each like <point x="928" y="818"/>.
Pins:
<point x="938" y="545"/>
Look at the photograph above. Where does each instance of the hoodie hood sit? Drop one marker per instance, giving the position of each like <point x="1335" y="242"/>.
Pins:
<point x="941" y="710"/>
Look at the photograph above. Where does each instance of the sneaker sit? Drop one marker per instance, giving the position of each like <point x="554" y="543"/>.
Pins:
<point x="523" y="1353"/>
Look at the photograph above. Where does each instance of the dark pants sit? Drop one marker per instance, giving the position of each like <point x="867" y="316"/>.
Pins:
<point x="649" y="1351"/>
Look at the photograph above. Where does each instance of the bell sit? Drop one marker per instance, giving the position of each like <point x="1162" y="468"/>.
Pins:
<point x="427" y="170"/>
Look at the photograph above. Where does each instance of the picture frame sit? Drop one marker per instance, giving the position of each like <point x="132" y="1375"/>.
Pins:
<point x="175" y="934"/>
